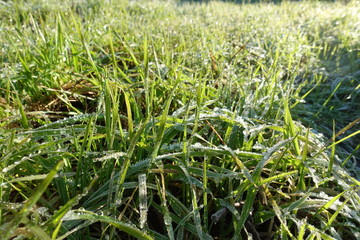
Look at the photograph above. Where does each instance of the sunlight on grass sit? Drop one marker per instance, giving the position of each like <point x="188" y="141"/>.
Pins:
<point x="178" y="120"/>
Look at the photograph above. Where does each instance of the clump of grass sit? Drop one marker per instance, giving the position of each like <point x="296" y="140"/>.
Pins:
<point x="175" y="121"/>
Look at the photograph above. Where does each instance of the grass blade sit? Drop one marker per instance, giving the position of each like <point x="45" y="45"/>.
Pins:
<point x="125" y="227"/>
<point x="143" y="207"/>
<point x="9" y="228"/>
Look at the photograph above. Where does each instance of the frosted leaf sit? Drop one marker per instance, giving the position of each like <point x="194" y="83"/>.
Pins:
<point x="142" y="200"/>
<point x="110" y="156"/>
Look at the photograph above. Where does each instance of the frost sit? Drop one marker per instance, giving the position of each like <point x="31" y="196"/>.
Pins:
<point x="110" y="156"/>
<point x="142" y="200"/>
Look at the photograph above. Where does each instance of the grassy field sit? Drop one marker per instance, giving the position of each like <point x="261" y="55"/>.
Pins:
<point x="170" y="120"/>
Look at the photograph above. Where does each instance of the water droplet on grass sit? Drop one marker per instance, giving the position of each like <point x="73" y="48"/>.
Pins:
<point x="167" y="220"/>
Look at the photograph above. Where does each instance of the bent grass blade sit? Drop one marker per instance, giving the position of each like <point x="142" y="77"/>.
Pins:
<point x="125" y="227"/>
<point x="18" y="218"/>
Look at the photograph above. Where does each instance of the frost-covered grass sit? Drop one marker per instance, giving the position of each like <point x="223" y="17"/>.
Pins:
<point x="167" y="120"/>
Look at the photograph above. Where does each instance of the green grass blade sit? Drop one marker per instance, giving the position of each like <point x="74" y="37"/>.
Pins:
<point x="57" y="217"/>
<point x="332" y="201"/>
<point x="18" y="218"/>
<point x="129" y="112"/>
<point x="146" y="77"/>
<point x="249" y="201"/>
<point x="343" y="139"/>
<point x="161" y="130"/>
<point x="336" y="213"/>
<point x="332" y="155"/>
<point x="291" y="126"/>
<point x="302" y="231"/>
<point x="205" y="197"/>
<point x="126" y="162"/>
<point x="276" y="177"/>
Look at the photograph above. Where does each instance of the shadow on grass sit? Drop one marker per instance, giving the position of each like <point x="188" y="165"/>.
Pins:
<point x="336" y="102"/>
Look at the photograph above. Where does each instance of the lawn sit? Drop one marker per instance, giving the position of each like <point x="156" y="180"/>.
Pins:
<point x="171" y="119"/>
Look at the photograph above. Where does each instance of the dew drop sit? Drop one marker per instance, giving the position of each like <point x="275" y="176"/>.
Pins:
<point x="167" y="220"/>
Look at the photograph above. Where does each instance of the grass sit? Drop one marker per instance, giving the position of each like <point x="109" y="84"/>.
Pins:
<point x="171" y="120"/>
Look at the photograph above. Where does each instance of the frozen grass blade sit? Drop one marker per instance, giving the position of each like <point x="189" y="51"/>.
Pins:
<point x="276" y="177"/>
<point x="259" y="167"/>
<point x="195" y="207"/>
<point x="168" y="220"/>
<point x="37" y="232"/>
<point x="128" y="228"/>
<point x="143" y="208"/>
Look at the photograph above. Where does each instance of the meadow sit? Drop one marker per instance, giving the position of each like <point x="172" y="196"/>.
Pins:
<point x="168" y="119"/>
